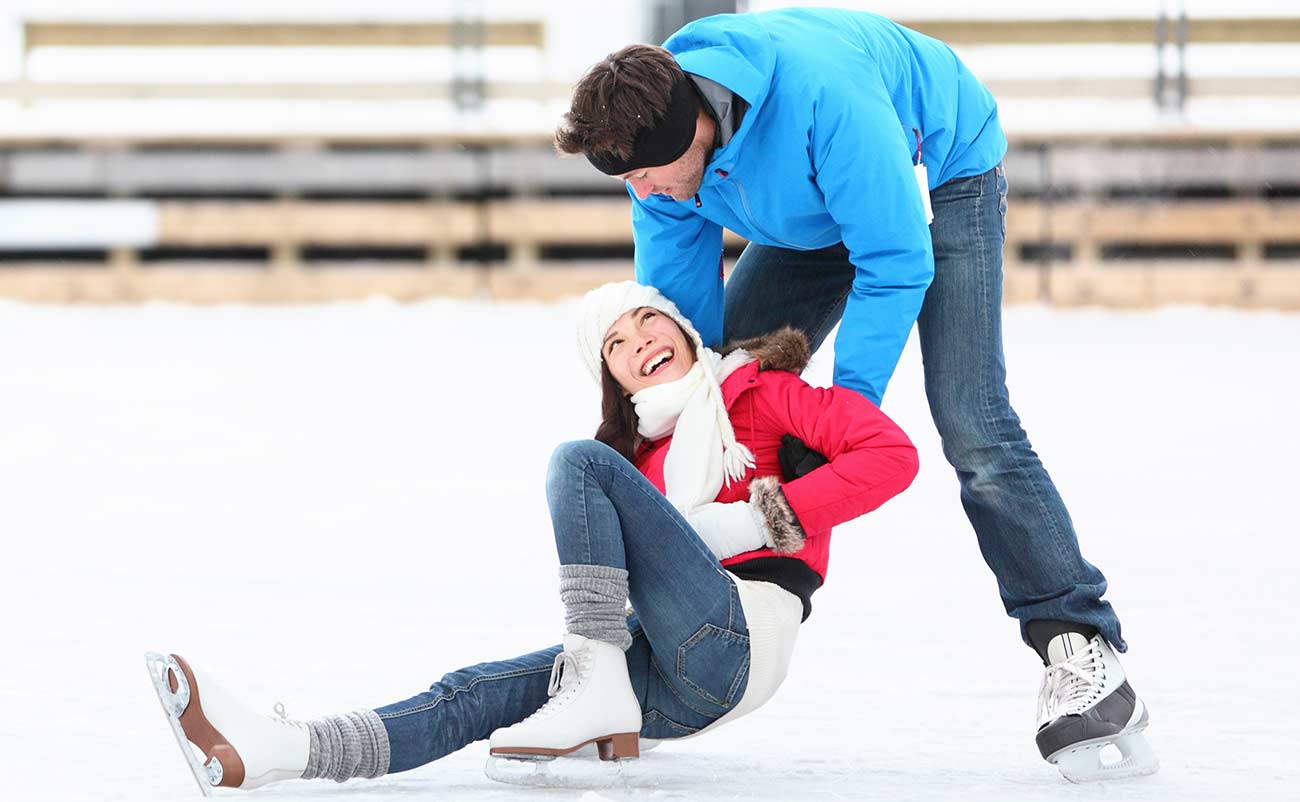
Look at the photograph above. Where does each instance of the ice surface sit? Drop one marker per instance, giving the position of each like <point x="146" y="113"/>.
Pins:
<point x="331" y="506"/>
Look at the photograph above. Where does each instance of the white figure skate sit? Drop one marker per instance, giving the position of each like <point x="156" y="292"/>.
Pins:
<point x="1090" y="720"/>
<point x="591" y="702"/>
<point x="241" y="748"/>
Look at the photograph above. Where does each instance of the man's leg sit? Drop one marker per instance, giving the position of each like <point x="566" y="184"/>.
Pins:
<point x="774" y="287"/>
<point x="1024" y="530"/>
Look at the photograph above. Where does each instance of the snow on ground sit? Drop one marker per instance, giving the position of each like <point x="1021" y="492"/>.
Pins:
<point x="331" y="506"/>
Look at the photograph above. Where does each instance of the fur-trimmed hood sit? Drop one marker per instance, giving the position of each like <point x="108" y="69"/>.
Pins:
<point x="783" y="349"/>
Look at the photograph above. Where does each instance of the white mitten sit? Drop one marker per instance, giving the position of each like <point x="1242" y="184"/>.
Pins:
<point x="730" y="529"/>
<point x="766" y="520"/>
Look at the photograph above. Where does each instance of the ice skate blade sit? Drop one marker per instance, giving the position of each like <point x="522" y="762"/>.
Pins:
<point x="568" y="772"/>
<point x="526" y="758"/>
<point x="162" y="669"/>
<point x="1084" y="762"/>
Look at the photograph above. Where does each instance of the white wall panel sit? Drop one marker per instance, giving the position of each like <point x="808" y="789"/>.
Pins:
<point x="59" y="224"/>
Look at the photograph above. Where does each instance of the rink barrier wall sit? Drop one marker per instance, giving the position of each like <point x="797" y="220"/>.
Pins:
<point x="410" y="250"/>
<point x="1131" y="217"/>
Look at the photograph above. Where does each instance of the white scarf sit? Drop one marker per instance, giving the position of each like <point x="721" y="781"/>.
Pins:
<point x="704" y="452"/>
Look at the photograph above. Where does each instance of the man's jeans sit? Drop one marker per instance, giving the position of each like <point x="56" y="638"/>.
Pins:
<point x="1024" y="530"/>
<point x="689" y="659"/>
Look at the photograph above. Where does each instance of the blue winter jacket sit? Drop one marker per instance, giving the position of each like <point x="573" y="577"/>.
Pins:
<point x="824" y="154"/>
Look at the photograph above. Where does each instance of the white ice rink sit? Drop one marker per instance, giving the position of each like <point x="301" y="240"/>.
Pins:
<point x="331" y="506"/>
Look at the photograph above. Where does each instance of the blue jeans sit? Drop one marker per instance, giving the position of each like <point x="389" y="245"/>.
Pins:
<point x="689" y="659"/>
<point x="1024" y="530"/>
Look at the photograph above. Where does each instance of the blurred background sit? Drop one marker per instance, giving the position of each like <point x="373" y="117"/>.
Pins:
<point x="254" y="151"/>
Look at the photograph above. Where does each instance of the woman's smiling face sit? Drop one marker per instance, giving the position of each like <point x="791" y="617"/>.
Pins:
<point x="645" y="347"/>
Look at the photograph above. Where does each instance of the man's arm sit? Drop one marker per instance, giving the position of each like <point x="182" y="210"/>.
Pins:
<point x="680" y="253"/>
<point x="862" y="157"/>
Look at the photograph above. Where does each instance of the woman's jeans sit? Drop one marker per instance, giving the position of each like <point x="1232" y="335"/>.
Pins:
<point x="689" y="659"/>
<point x="1024" y="530"/>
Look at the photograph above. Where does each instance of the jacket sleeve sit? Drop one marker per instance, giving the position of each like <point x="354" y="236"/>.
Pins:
<point x="871" y="459"/>
<point x="679" y="253"/>
<point x="862" y="156"/>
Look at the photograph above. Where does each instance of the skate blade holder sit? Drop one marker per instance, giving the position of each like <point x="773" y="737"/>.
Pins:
<point x="1114" y="758"/>
<point x="574" y="768"/>
<point x="173" y="691"/>
<point x="619" y="746"/>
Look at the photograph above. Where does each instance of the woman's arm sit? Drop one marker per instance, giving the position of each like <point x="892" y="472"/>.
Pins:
<point x="871" y="459"/>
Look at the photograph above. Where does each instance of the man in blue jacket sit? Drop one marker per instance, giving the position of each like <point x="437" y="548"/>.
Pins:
<point x="862" y="161"/>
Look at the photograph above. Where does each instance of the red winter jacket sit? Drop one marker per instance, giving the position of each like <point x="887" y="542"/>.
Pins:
<point x="871" y="460"/>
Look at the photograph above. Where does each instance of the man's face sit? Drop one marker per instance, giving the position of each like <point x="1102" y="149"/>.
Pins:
<point x="681" y="179"/>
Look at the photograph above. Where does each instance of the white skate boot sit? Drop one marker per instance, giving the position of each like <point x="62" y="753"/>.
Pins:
<point x="241" y="748"/>
<point x="591" y="702"/>
<point x="1090" y="720"/>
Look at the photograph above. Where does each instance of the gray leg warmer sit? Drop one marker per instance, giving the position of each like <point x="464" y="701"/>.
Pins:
<point x="595" y="603"/>
<point x="347" y="746"/>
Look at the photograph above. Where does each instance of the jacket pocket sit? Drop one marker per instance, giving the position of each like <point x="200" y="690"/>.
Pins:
<point x="714" y="663"/>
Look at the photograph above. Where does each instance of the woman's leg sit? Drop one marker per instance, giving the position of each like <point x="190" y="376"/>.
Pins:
<point x="465" y="706"/>
<point x="688" y="655"/>
<point x="610" y="520"/>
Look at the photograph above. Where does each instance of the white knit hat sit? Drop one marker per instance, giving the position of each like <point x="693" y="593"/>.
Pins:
<point x="604" y="305"/>
<point x="607" y="303"/>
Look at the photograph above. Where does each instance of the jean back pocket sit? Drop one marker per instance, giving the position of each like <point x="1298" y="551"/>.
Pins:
<point x="714" y="663"/>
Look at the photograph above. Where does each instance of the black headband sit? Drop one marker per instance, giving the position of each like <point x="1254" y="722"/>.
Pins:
<point x="660" y="144"/>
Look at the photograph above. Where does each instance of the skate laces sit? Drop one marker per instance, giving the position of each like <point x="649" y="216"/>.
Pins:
<point x="281" y="717"/>
<point x="1068" y="685"/>
<point x="564" y="667"/>
<point x="566" y="676"/>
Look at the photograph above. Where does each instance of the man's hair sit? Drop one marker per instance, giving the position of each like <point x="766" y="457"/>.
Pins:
<point x="616" y="99"/>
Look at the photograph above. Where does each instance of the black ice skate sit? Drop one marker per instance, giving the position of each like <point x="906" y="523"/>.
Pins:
<point x="1090" y="720"/>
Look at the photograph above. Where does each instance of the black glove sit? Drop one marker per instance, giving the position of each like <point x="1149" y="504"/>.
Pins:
<point x="797" y="459"/>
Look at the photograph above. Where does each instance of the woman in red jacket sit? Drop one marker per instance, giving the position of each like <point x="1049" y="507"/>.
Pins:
<point x="678" y="507"/>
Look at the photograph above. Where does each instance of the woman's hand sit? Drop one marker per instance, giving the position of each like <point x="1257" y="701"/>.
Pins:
<point x="765" y="521"/>
<point x="729" y="529"/>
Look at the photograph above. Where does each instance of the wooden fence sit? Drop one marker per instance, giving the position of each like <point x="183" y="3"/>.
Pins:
<point x="1241" y="235"/>
<point x="487" y="214"/>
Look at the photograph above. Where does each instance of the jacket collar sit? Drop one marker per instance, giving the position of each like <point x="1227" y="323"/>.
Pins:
<point x="784" y="349"/>
<point x="741" y="380"/>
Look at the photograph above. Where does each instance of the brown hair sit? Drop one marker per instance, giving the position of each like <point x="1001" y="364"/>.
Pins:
<point x="618" y="419"/>
<point x="616" y="99"/>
